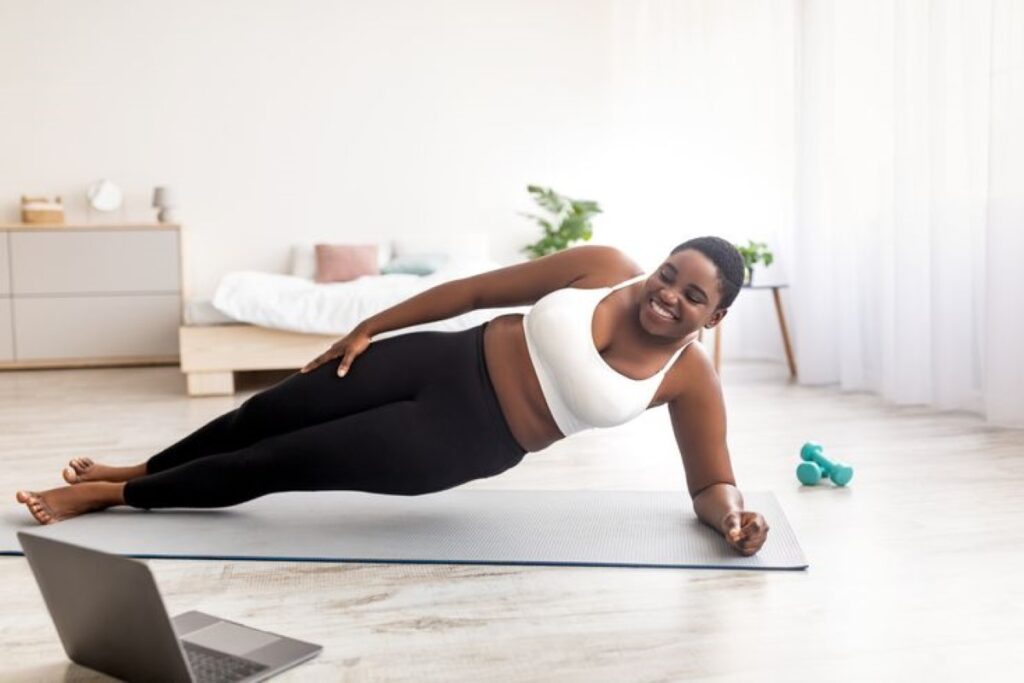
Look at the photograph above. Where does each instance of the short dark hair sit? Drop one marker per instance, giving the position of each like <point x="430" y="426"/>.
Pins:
<point x="728" y="261"/>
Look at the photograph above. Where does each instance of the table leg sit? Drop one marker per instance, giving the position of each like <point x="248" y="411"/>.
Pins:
<point x="785" y="332"/>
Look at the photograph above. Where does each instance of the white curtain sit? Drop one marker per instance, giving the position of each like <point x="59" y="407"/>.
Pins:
<point x="877" y="145"/>
<point x="908" y="200"/>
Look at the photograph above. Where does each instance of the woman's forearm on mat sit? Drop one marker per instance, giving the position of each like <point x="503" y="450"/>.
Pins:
<point x="715" y="502"/>
<point x="446" y="300"/>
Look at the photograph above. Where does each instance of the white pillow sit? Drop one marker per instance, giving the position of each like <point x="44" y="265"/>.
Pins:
<point x="304" y="255"/>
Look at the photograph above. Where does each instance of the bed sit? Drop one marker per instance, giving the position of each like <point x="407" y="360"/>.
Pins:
<point x="269" y="321"/>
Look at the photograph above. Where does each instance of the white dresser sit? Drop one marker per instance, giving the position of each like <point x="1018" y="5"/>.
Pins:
<point x="87" y="295"/>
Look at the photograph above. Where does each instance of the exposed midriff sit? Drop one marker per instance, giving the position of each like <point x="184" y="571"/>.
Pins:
<point x="516" y="384"/>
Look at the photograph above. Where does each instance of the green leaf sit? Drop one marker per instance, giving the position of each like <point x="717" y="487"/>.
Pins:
<point x="572" y="217"/>
<point x="585" y="206"/>
<point x="548" y="199"/>
<point x="754" y="252"/>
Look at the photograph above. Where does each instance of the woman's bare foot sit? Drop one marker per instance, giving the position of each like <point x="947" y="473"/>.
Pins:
<point x="84" y="469"/>
<point x="70" y="501"/>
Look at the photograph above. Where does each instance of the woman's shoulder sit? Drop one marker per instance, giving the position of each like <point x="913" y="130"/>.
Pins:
<point x="605" y="266"/>
<point x="692" y="376"/>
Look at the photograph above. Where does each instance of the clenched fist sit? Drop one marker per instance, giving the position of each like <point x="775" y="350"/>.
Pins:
<point x="745" y="530"/>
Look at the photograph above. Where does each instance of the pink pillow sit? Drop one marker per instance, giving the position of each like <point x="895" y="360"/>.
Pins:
<point x="344" y="262"/>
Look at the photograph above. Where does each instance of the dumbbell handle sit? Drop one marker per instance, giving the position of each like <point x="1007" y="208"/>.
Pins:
<point x="811" y="452"/>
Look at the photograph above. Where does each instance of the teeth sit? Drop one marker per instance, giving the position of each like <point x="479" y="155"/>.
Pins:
<point x="662" y="311"/>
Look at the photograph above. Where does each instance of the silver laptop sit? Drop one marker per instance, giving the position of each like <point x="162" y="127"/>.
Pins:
<point x="110" y="617"/>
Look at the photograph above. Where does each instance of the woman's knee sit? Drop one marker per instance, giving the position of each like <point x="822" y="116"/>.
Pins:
<point x="268" y="406"/>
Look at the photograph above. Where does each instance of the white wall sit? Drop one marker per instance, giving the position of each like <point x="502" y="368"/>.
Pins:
<point x="278" y="121"/>
<point x="704" y="113"/>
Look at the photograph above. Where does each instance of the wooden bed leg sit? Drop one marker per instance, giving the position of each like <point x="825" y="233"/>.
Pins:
<point x="211" y="383"/>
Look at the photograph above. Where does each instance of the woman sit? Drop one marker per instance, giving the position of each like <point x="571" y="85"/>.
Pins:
<point x="426" y="411"/>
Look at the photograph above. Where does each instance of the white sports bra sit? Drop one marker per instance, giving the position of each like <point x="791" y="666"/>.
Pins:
<point x="581" y="389"/>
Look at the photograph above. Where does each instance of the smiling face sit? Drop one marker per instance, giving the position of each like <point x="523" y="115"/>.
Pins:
<point x="681" y="296"/>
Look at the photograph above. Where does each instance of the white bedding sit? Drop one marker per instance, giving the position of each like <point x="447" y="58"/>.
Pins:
<point x="290" y="302"/>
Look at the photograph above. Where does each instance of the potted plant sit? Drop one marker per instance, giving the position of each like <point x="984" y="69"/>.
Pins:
<point x="568" y="220"/>
<point x="752" y="253"/>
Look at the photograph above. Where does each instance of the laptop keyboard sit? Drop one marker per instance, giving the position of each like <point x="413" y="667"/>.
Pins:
<point x="210" y="666"/>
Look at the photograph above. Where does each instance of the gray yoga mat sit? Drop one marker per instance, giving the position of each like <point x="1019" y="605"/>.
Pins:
<point x="589" y="528"/>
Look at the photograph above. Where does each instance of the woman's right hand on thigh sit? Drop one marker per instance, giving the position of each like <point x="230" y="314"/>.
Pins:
<point x="348" y="347"/>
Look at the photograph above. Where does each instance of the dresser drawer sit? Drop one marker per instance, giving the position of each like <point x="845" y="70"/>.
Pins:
<point x="6" y="334"/>
<point x="96" y="326"/>
<point x="94" y="261"/>
<point x="5" y="260"/>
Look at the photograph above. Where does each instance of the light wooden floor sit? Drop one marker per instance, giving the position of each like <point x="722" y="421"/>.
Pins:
<point x="915" y="570"/>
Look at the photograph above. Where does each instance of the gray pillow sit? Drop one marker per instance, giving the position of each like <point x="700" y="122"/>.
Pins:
<point x="415" y="264"/>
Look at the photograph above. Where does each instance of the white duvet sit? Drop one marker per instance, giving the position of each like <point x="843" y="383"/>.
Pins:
<point x="290" y="302"/>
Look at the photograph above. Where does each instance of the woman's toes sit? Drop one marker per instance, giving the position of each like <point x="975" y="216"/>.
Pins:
<point x="35" y="506"/>
<point x="71" y="475"/>
<point x="77" y="470"/>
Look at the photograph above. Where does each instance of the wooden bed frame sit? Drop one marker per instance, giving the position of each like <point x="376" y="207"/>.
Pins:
<point x="211" y="354"/>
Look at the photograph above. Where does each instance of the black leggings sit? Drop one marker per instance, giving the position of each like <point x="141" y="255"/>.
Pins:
<point x="416" y="413"/>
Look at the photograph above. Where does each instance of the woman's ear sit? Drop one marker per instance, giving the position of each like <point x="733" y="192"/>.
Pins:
<point x="716" y="318"/>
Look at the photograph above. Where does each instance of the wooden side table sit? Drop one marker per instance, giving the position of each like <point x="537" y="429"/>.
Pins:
<point x="782" y="327"/>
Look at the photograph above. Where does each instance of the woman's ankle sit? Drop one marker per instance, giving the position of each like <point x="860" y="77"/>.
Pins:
<point x="113" y="492"/>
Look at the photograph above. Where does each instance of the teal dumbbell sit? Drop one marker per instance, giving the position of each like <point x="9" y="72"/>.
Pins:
<point x="817" y="466"/>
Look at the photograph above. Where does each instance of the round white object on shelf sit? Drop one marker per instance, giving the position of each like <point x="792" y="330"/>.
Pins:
<point x="105" y="196"/>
